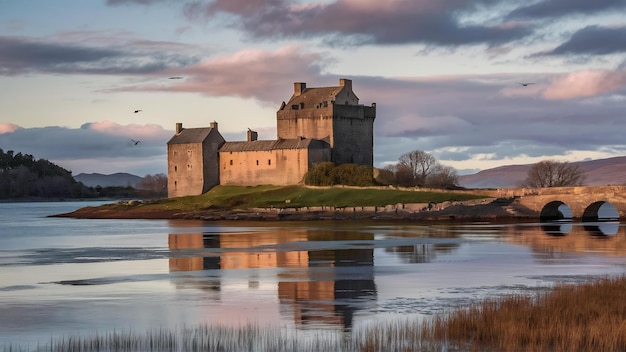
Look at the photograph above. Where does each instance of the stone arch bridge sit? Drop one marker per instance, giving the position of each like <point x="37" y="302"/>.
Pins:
<point x="583" y="201"/>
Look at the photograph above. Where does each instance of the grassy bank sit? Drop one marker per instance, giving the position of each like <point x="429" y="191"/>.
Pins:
<point x="229" y="198"/>
<point x="584" y="317"/>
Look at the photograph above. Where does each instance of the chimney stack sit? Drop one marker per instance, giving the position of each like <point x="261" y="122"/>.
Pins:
<point x="179" y="128"/>
<point x="344" y="82"/>
<point x="298" y="88"/>
<point x="213" y="125"/>
<point x="252" y="135"/>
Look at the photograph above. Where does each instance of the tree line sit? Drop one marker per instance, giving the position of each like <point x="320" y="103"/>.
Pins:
<point x="23" y="176"/>
<point x="420" y="169"/>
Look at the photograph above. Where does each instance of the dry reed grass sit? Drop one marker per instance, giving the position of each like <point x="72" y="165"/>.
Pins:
<point x="582" y="317"/>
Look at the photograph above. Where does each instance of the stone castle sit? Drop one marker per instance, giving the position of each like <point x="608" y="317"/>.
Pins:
<point x="315" y="125"/>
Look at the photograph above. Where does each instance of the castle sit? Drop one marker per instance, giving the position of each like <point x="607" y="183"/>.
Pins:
<point x="315" y="125"/>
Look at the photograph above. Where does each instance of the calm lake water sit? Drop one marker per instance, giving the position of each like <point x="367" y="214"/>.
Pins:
<point x="62" y="277"/>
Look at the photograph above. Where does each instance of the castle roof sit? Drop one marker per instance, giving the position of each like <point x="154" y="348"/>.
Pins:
<point x="191" y="135"/>
<point x="298" y="143"/>
<point x="314" y="96"/>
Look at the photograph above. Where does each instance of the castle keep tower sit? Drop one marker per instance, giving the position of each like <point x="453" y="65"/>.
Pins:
<point x="334" y="115"/>
<point x="193" y="165"/>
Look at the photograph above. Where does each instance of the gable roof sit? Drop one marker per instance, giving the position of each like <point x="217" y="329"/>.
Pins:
<point x="191" y="135"/>
<point x="304" y="143"/>
<point x="311" y="97"/>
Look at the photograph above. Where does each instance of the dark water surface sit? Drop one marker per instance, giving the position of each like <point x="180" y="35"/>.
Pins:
<point x="61" y="277"/>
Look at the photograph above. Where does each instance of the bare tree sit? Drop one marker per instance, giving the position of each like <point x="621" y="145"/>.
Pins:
<point x="551" y="173"/>
<point x="156" y="184"/>
<point x="443" y="176"/>
<point x="419" y="163"/>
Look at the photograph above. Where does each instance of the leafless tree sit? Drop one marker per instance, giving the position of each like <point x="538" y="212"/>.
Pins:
<point x="551" y="173"/>
<point x="419" y="163"/>
<point x="442" y="176"/>
<point x="156" y="184"/>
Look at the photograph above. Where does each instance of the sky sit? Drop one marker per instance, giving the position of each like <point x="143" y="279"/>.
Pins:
<point x="444" y="76"/>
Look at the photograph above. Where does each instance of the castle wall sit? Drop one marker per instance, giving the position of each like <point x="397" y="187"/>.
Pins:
<point x="273" y="167"/>
<point x="193" y="168"/>
<point x="185" y="170"/>
<point x="353" y="134"/>
<point x="315" y="123"/>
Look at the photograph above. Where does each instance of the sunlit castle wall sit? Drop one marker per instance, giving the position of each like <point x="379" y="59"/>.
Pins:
<point x="332" y="114"/>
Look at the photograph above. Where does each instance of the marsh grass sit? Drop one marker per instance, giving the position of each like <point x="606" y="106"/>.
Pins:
<point x="571" y="317"/>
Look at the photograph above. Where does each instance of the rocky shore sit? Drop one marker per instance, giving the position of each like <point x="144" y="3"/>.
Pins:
<point x="478" y="210"/>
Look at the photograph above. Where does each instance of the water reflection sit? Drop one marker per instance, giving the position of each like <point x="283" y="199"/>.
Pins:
<point x="600" y="238"/>
<point x="323" y="293"/>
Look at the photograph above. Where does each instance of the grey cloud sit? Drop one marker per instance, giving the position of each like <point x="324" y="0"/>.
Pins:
<point x="407" y="22"/>
<point x="63" y="143"/>
<point x="503" y="126"/>
<point x="558" y="8"/>
<point x="23" y="55"/>
<point x="593" y="40"/>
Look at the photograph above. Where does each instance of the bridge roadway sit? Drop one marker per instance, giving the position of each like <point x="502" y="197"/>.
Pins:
<point x="583" y="201"/>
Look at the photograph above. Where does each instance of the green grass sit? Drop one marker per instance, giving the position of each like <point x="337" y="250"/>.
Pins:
<point x="238" y="197"/>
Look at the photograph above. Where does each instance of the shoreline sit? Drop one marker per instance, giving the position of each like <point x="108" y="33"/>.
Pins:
<point x="458" y="211"/>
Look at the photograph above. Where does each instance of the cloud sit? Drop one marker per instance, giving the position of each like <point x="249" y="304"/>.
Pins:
<point x="593" y="40"/>
<point x="8" y="128"/>
<point x="107" y="145"/>
<point x="258" y="74"/>
<point x="21" y="55"/>
<point x="367" y="21"/>
<point x="583" y="84"/>
<point x="559" y="8"/>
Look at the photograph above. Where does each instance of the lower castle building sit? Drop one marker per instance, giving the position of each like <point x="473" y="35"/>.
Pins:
<point x="315" y="125"/>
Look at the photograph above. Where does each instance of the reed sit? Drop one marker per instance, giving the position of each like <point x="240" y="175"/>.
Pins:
<point x="570" y="317"/>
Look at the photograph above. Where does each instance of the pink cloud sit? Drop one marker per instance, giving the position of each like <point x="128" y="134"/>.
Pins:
<point x="584" y="84"/>
<point x="131" y="130"/>
<point x="8" y="128"/>
<point x="258" y="74"/>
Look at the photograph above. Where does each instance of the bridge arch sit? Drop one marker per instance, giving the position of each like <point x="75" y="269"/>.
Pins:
<point x="555" y="210"/>
<point x="600" y="211"/>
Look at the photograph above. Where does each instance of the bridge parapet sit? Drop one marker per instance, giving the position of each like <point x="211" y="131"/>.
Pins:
<point x="578" y="199"/>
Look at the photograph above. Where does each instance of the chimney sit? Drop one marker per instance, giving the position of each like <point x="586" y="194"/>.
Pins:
<point x="344" y="82"/>
<point x="298" y="88"/>
<point x="179" y="128"/>
<point x="213" y="125"/>
<point x="252" y="135"/>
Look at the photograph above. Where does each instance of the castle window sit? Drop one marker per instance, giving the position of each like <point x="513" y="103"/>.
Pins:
<point x="188" y="166"/>
<point x="174" y="152"/>
<point x="175" y="184"/>
<point x="301" y="105"/>
<point x="231" y="162"/>
<point x="257" y="162"/>
<point x="294" y="107"/>
<point x="269" y="161"/>
<point x="326" y="104"/>
<point x="175" y="168"/>
<point x="189" y="153"/>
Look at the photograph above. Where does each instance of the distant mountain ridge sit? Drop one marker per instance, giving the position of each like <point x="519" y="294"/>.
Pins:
<point x="120" y="179"/>
<point x="600" y="172"/>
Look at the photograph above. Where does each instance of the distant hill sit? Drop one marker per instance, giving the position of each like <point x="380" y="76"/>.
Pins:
<point x="601" y="172"/>
<point x="120" y="179"/>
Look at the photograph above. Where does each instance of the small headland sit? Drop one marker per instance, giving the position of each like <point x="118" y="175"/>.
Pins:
<point x="273" y="203"/>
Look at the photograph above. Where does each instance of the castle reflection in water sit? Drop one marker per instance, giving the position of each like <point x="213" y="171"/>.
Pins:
<point x="325" y="278"/>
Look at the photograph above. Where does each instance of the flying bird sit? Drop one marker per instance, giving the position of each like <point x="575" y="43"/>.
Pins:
<point x="136" y="111"/>
<point x="135" y="142"/>
<point x="526" y="84"/>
